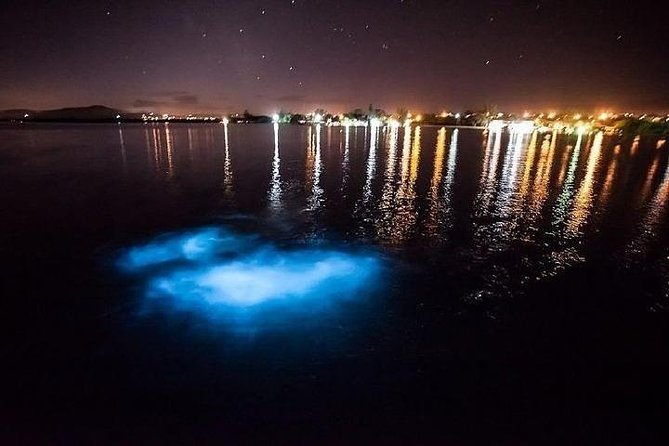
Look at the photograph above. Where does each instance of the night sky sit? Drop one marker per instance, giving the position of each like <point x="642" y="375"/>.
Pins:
<point x="225" y="56"/>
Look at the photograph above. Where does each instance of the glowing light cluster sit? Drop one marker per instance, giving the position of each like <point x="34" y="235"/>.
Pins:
<point x="214" y="270"/>
<point x="521" y="127"/>
<point x="496" y="125"/>
<point x="165" y="117"/>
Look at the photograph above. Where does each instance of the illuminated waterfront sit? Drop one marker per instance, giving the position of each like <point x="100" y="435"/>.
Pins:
<point x="502" y="280"/>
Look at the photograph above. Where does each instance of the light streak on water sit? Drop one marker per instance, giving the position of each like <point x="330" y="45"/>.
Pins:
<point x="227" y="164"/>
<point x="507" y="202"/>
<point x="170" y="150"/>
<point x="275" y="184"/>
<point x="371" y="166"/>
<point x="316" y="197"/>
<point x="566" y="196"/>
<point x="386" y="201"/>
<point x="584" y="197"/>
<point x="529" y="164"/>
<point x="124" y="157"/>
<point x="488" y="173"/>
<point x="650" y="225"/>
<point x="345" y="164"/>
<point x="435" y="204"/>
<point x="542" y="179"/>
<point x="605" y="193"/>
<point x="404" y="219"/>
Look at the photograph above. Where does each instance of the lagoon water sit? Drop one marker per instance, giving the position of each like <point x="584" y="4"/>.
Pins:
<point x="329" y="285"/>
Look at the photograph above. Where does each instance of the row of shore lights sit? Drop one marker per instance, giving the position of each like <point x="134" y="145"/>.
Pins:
<point x="374" y="122"/>
<point x="275" y="119"/>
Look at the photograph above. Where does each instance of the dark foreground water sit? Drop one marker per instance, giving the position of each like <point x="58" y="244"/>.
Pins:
<point x="307" y="285"/>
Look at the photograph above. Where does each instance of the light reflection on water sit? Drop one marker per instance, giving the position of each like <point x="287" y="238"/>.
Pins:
<point x="585" y="194"/>
<point x="502" y="207"/>
<point x="379" y="263"/>
<point x="403" y="186"/>
<point x="275" y="183"/>
<point x="655" y="213"/>
<point x="434" y="201"/>
<point x="227" y="166"/>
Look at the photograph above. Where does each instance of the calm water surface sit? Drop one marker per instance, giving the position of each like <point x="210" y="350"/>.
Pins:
<point x="328" y="285"/>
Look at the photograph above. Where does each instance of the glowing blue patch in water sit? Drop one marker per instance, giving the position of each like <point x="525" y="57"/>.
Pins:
<point x="200" y="245"/>
<point x="219" y="273"/>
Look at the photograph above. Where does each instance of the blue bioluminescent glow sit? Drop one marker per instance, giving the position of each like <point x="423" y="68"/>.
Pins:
<point x="266" y="276"/>
<point x="218" y="272"/>
<point x="195" y="246"/>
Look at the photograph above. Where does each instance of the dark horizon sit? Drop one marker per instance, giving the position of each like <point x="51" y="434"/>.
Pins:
<point x="287" y="110"/>
<point x="221" y="57"/>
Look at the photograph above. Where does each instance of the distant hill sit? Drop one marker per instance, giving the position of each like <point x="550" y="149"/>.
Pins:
<point x="72" y="114"/>
<point x="92" y="113"/>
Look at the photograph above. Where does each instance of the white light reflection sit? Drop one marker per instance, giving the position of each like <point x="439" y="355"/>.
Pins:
<point x="507" y="204"/>
<point x="275" y="184"/>
<point x="564" y="200"/>
<point x="345" y="164"/>
<point x="489" y="173"/>
<point x="405" y="217"/>
<point x="449" y="180"/>
<point x="124" y="157"/>
<point x="450" y="167"/>
<point x="227" y="164"/>
<point x="147" y="138"/>
<point x="386" y="203"/>
<point x="156" y="148"/>
<point x="371" y="164"/>
<point x="527" y="169"/>
<point x="316" y="197"/>
<point x="190" y="144"/>
<point x="170" y="150"/>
